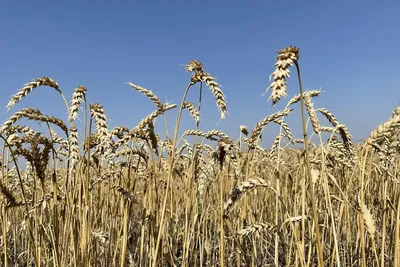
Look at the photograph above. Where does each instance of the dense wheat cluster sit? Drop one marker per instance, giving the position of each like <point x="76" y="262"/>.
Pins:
<point x="79" y="193"/>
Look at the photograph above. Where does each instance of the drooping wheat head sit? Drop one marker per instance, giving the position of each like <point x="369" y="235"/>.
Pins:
<point x="24" y="91"/>
<point x="149" y="94"/>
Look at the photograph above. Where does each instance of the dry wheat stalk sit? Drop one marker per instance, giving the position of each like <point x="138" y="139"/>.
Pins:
<point x="285" y="59"/>
<point x="24" y="91"/>
<point x="77" y="98"/>
<point x="149" y="94"/>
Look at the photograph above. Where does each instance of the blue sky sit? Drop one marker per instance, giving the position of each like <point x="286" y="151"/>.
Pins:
<point x="349" y="49"/>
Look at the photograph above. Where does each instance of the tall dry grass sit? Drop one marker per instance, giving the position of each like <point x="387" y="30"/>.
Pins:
<point x="102" y="196"/>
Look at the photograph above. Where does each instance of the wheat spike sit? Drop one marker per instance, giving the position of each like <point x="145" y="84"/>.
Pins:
<point x="77" y="98"/>
<point x="285" y="59"/>
<point x="261" y="124"/>
<point x="149" y="94"/>
<point x="24" y="91"/>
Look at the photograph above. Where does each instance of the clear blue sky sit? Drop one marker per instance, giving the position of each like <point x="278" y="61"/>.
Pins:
<point x="348" y="48"/>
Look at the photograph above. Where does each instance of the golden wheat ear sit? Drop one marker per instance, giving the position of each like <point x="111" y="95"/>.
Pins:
<point x="24" y="91"/>
<point x="77" y="98"/>
<point x="285" y="59"/>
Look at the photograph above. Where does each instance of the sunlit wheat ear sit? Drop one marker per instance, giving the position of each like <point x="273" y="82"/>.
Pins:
<point x="21" y="129"/>
<point x="368" y="218"/>
<point x="241" y="189"/>
<point x="194" y="66"/>
<point x="378" y="135"/>
<point x="396" y="112"/>
<point x="44" y="81"/>
<point x="209" y="135"/>
<point x="214" y="88"/>
<point x="275" y="147"/>
<point x="98" y="114"/>
<point x="192" y="110"/>
<point x="149" y="119"/>
<point x="149" y="94"/>
<point x="32" y="114"/>
<point x="257" y="228"/>
<point x="261" y="124"/>
<point x="119" y="131"/>
<point x="286" y="128"/>
<point x="313" y="115"/>
<point x="77" y="98"/>
<point x="341" y="128"/>
<point x="74" y="151"/>
<point x="297" y="98"/>
<point x="285" y="59"/>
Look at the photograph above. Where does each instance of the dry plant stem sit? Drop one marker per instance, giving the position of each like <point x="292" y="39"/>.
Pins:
<point x="5" y="216"/>
<point x="168" y="185"/>
<point x="29" y="223"/>
<point x="396" y="235"/>
<point x="362" y="206"/>
<point x="384" y="193"/>
<point x="329" y="204"/>
<point x="193" y="166"/>
<point x="222" y="233"/>
<point x="311" y="186"/>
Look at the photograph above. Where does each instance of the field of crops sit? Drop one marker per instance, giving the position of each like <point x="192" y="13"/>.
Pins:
<point x="90" y="195"/>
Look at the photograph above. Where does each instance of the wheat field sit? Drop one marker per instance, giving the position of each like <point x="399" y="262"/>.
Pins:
<point x="90" y="195"/>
